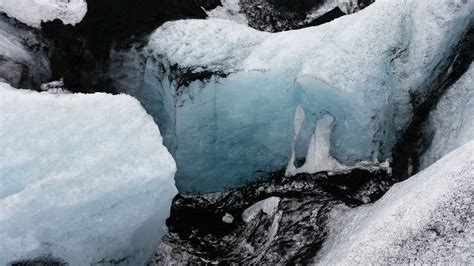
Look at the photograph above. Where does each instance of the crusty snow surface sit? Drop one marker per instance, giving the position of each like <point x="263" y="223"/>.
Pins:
<point x="83" y="178"/>
<point x="33" y="12"/>
<point x="428" y="218"/>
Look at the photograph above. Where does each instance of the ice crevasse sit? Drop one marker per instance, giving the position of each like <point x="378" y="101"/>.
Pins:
<point x="84" y="179"/>
<point x="234" y="103"/>
<point x="451" y="121"/>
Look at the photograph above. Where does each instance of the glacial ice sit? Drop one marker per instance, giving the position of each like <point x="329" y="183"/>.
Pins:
<point x="452" y="119"/>
<point x="225" y="95"/>
<point x="268" y="206"/>
<point x="426" y="219"/>
<point x="23" y="60"/>
<point x="83" y="178"/>
<point x="33" y="12"/>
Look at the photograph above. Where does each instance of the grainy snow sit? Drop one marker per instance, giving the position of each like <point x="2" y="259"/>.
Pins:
<point x="428" y="218"/>
<point x="33" y="12"/>
<point x="83" y="178"/>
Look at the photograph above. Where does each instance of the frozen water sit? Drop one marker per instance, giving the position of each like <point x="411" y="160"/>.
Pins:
<point x="230" y="10"/>
<point x="83" y="178"/>
<point x="425" y="219"/>
<point x="318" y="158"/>
<point x="23" y="61"/>
<point x="237" y="125"/>
<point x="268" y="206"/>
<point x="452" y="119"/>
<point x="33" y="12"/>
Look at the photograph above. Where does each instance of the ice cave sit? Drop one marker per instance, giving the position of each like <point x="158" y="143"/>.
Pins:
<point x="274" y="132"/>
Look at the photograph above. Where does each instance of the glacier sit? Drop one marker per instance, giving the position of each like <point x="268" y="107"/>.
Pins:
<point x="84" y="179"/>
<point x="425" y="219"/>
<point x="33" y="12"/>
<point x="24" y="58"/>
<point x="225" y="95"/>
<point x="452" y="119"/>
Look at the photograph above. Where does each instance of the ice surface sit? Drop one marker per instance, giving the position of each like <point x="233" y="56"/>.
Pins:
<point x="268" y="206"/>
<point x="425" y="219"/>
<point x="23" y="61"/>
<point x="236" y="126"/>
<point x="33" y="12"/>
<point x="452" y="119"/>
<point x="230" y="10"/>
<point x="83" y="178"/>
<point x="318" y="158"/>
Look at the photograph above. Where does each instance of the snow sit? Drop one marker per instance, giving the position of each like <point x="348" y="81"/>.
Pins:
<point x="83" y="178"/>
<point x="452" y="119"/>
<point x="268" y="206"/>
<point x="425" y="219"/>
<point x="236" y="126"/>
<point x="230" y="10"/>
<point x="201" y="43"/>
<point x="33" y="12"/>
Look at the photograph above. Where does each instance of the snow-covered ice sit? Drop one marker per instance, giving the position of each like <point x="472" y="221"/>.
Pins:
<point x="452" y="119"/>
<point x="83" y="178"/>
<point x="428" y="218"/>
<point x="33" y="12"/>
<point x="237" y="125"/>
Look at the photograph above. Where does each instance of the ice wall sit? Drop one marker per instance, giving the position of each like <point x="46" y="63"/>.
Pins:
<point x="24" y="58"/>
<point x="227" y="94"/>
<point x="426" y="219"/>
<point x="452" y="120"/>
<point x="83" y="178"/>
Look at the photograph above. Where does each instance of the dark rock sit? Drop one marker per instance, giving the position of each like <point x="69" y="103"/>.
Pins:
<point x="294" y="233"/>
<point x="282" y="15"/>
<point x="41" y="261"/>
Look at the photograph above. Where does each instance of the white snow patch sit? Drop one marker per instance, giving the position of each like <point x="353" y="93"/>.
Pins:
<point x="33" y="12"/>
<point x="83" y="178"/>
<point x="268" y="206"/>
<point x="229" y="10"/>
<point x="425" y="219"/>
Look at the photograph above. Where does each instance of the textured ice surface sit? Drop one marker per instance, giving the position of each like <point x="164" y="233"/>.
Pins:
<point x="33" y="12"/>
<point x="452" y="120"/>
<point x="83" y="178"/>
<point x="427" y="218"/>
<point x="360" y="69"/>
